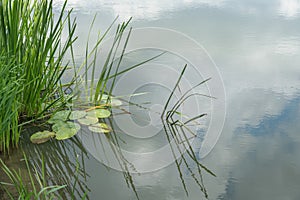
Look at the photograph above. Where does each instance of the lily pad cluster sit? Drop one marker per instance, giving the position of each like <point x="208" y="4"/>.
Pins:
<point x="65" y="127"/>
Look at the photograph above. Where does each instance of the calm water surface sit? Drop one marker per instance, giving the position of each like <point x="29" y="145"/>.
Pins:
<point x="256" y="46"/>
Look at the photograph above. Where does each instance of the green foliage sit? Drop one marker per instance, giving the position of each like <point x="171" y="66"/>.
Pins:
<point x="34" y="51"/>
<point x="176" y="130"/>
<point x="31" y="65"/>
<point x="64" y="126"/>
<point x="30" y="34"/>
<point x="11" y="86"/>
<point x="41" y="137"/>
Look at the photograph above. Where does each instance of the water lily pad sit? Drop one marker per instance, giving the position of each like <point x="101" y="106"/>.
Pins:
<point x="59" y="125"/>
<point x="100" y="128"/>
<point x="66" y="130"/>
<point x="115" y="102"/>
<point x="88" y="120"/>
<point x="59" y="116"/>
<point x="41" y="137"/>
<point x="99" y="113"/>
<point x="65" y="133"/>
<point x="77" y="114"/>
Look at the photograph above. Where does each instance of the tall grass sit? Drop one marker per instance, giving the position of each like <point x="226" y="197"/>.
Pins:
<point x="30" y="34"/>
<point x="11" y="85"/>
<point x="31" y="65"/>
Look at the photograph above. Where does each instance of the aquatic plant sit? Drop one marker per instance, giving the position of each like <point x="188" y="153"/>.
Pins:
<point x="11" y="87"/>
<point x="30" y="34"/>
<point x="95" y="99"/>
<point x="32" y="51"/>
<point x="64" y="124"/>
<point x="178" y="130"/>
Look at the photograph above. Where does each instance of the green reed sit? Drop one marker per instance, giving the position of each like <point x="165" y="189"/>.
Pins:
<point x="30" y="33"/>
<point x="11" y="85"/>
<point x="178" y="130"/>
<point x="31" y="66"/>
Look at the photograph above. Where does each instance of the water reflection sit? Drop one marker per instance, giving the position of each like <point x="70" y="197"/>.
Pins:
<point x="140" y="10"/>
<point x="289" y="8"/>
<point x="256" y="46"/>
<point x="256" y="158"/>
<point x="154" y="10"/>
<point x="289" y="46"/>
<point x="275" y="143"/>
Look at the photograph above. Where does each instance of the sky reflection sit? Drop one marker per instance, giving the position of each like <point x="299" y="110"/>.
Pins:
<point x="289" y="8"/>
<point x="155" y="9"/>
<point x="256" y="45"/>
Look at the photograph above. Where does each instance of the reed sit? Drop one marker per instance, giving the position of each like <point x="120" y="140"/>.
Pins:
<point x="30" y="34"/>
<point x="11" y="85"/>
<point x="31" y="64"/>
<point x="178" y="130"/>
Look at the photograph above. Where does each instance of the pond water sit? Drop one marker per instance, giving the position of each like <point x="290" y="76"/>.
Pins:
<point x="255" y="46"/>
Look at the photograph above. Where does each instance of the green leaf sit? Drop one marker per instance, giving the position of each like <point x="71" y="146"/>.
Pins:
<point x="66" y="130"/>
<point x="99" y="113"/>
<point x="41" y="137"/>
<point x="59" y="116"/>
<point x="88" y="120"/>
<point x="58" y="125"/>
<point x="77" y="114"/>
<point x="115" y="102"/>
<point x="100" y="128"/>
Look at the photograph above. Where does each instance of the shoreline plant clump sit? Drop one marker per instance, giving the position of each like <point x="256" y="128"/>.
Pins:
<point x="32" y="53"/>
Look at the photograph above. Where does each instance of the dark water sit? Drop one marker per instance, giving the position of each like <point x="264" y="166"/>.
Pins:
<point x="255" y="46"/>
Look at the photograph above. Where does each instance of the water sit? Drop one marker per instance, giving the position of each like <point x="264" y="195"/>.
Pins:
<point x="255" y="46"/>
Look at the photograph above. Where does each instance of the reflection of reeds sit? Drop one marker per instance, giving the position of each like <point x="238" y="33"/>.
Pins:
<point x="64" y="164"/>
<point x="111" y="143"/>
<point x="36" y="187"/>
<point x="176" y="129"/>
<point x="126" y="173"/>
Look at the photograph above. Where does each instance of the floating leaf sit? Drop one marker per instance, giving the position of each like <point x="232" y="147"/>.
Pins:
<point x="88" y="120"/>
<point x="59" y="116"/>
<point x="59" y="125"/>
<point x="77" y="114"/>
<point x="41" y="137"/>
<point x="100" y="128"/>
<point x="99" y="113"/>
<point x="65" y="133"/>
<point x="66" y="130"/>
<point x="115" y="102"/>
